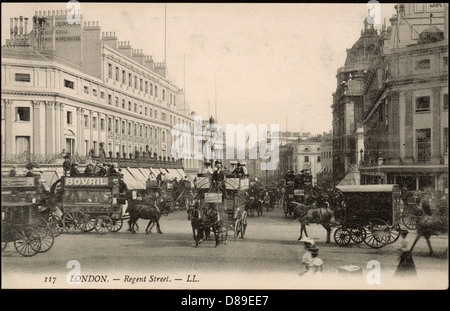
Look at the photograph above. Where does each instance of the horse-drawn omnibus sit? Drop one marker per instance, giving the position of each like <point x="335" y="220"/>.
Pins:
<point x="23" y="219"/>
<point x="295" y="191"/>
<point x="233" y="205"/>
<point x="91" y="202"/>
<point x="369" y="214"/>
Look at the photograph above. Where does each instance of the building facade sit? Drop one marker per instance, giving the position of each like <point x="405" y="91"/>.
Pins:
<point x="348" y="101"/>
<point x="406" y="111"/>
<point x="73" y="88"/>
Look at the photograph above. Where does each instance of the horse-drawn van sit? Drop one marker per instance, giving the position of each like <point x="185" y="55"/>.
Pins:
<point x="369" y="214"/>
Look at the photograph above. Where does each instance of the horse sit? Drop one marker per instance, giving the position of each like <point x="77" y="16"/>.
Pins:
<point x="427" y="226"/>
<point x="312" y="214"/>
<point x="147" y="210"/>
<point x="205" y="219"/>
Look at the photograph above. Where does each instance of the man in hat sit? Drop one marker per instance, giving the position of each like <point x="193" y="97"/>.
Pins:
<point x="218" y="180"/>
<point x="13" y="172"/>
<point x="90" y="169"/>
<point x="66" y="164"/>
<point x="74" y="169"/>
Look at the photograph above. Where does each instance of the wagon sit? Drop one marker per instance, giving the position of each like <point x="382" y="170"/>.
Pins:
<point x="21" y="222"/>
<point x="369" y="214"/>
<point x="234" y="205"/>
<point x="236" y="188"/>
<point x="91" y="202"/>
<point x="294" y="193"/>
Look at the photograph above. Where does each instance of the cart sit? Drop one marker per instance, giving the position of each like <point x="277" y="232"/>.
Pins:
<point x="91" y="202"/>
<point x="369" y="214"/>
<point x="234" y="206"/>
<point x="21" y="222"/>
<point x="294" y="193"/>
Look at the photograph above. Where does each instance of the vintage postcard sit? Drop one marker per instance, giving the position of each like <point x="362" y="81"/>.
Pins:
<point x="224" y="146"/>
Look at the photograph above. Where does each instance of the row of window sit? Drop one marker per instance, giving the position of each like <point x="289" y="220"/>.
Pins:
<point x="306" y="159"/>
<point x="124" y="128"/>
<point x="139" y="84"/>
<point x="124" y="104"/>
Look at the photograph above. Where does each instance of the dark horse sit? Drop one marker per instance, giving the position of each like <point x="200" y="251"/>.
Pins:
<point x="312" y="214"/>
<point x="253" y="204"/>
<point x="204" y="219"/>
<point x="147" y="210"/>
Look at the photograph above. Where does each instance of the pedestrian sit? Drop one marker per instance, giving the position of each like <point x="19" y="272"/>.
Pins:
<point x="406" y="265"/>
<point x="13" y="171"/>
<point x="316" y="263"/>
<point x="307" y="256"/>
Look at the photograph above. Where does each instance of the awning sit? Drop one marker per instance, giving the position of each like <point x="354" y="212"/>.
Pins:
<point x="155" y="171"/>
<point x="173" y="173"/>
<point x="367" y="188"/>
<point x="130" y="181"/>
<point x="147" y="173"/>
<point x="138" y="176"/>
<point x="181" y="173"/>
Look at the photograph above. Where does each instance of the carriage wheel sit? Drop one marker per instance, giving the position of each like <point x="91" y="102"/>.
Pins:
<point x="47" y="238"/>
<point x="409" y="220"/>
<point x="4" y="244"/>
<point x="394" y="234"/>
<point x="341" y="236"/>
<point x="237" y="228"/>
<point x="378" y="233"/>
<point x="73" y="221"/>
<point x="28" y="242"/>
<point x="103" y="224"/>
<point x="87" y="223"/>
<point x="56" y="224"/>
<point x="358" y="234"/>
<point x="244" y="224"/>
<point x="117" y="224"/>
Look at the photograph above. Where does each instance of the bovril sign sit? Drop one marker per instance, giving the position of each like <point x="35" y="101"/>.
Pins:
<point x="86" y="181"/>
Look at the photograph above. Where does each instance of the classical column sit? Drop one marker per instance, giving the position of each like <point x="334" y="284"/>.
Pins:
<point x="91" y="130"/>
<point x="435" y="127"/>
<point x="63" y="122"/>
<point x="49" y="128"/>
<point x="37" y="127"/>
<point x="409" y="129"/>
<point x="9" y="119"/>
<point x="393" y="123"/>
<point x="82" y="145"/>
<point x="57" y="128"/>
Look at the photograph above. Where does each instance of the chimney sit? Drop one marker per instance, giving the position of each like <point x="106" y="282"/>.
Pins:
<point x="26" y="26"/>
<point x="148" y="62"/>
<point x="110" y="39"/>
<point x="12" y="28"/>
<point x="93" y="28"/>
<point x="138" y="56"/>
<point x="125" y="48"/>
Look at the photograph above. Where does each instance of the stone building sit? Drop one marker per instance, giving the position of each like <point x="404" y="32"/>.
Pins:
<point x="406" y="107"/>
<point x="73" y="88"/>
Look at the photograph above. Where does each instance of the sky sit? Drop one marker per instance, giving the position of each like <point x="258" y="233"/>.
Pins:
<point x="257" y="63"/>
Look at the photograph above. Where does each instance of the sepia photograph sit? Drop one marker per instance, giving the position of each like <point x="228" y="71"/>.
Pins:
<point x="224" y="146"/>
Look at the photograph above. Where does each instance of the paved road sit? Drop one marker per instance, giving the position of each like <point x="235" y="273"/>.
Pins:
<point x="267" y="258"/>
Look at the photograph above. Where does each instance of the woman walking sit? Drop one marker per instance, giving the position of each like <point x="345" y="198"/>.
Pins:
<point x="406" y="265"/>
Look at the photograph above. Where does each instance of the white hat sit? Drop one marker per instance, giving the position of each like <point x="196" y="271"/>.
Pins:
<point x="308" y="241"/>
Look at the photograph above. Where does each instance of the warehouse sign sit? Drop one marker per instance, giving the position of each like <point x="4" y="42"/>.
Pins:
<point x="86" y="181"/>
